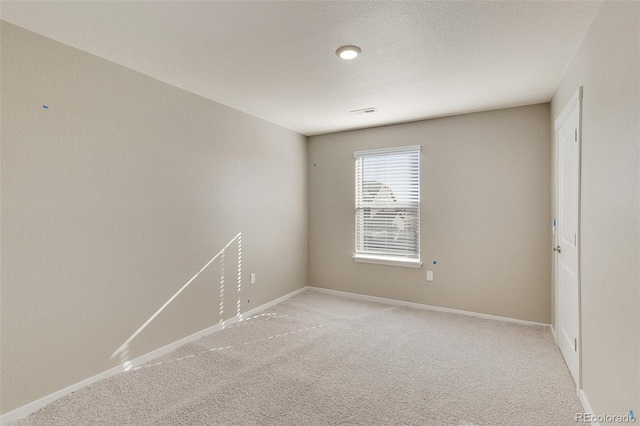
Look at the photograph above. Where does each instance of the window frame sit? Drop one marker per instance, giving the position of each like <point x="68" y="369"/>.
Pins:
<point x="386" y="259"/>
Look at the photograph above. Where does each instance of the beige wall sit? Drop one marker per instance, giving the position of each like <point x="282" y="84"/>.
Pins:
<point x="116" y="195"/>
<point x="608" y="67"/>
<point x="486" y="194"/>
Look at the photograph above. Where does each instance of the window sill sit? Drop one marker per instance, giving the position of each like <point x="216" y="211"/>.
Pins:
<point x="387" y="260"/>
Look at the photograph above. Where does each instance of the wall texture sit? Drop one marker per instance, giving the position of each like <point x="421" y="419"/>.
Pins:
<point x="607" y="65"/>
<point x="486" y="197"/>
<point x="114" y="197"/>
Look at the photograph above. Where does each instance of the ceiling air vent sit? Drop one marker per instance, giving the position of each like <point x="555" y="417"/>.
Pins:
<point x="364" y="111"/>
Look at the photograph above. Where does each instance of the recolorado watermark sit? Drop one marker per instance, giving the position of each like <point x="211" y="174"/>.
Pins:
<point x="605" y="418"/>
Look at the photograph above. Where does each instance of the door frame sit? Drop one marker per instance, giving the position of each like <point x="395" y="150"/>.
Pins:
<point x="571" y="105"/>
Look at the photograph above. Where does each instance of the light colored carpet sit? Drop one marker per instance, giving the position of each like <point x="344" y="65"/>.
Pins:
<point x="326" y="360"/>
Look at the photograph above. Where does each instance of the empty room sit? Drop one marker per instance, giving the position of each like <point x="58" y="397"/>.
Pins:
<point x="319" y="212"/>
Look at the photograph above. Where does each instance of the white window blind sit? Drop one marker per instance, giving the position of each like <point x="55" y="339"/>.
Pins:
<point x="388" y="202"/>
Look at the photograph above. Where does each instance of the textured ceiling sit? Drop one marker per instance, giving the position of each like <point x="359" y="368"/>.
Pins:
<point x="276" y="60"/>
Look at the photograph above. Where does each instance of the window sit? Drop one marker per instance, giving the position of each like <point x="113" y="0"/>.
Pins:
<point x="388" y="206"/>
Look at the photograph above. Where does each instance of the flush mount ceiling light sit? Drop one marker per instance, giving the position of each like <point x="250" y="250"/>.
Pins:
<point x="348" y="52"/>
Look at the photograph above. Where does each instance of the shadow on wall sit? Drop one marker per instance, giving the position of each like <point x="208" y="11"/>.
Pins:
<point x="123" y="351"/>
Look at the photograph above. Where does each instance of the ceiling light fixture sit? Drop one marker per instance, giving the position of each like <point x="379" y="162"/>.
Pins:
<point x="348" y="52"/>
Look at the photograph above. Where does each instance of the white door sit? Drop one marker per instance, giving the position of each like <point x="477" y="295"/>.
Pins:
<point x="567" y="234"/>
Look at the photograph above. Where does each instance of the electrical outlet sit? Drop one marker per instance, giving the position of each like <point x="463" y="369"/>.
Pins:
<point x="429" y="275"/>
<point x="253" y="278"/>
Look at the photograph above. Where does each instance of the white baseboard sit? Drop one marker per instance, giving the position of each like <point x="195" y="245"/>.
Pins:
<point x="586" y="405"/>
<point x="553" y="331"/>
<point x="34" y="406"/>
<point x="421" y="306"/>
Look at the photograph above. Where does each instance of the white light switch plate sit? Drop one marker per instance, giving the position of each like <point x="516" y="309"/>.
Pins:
<point x="429" y="275"/>
<point x="253" y="278"/>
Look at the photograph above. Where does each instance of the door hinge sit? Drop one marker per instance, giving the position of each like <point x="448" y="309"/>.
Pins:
<point x="575" y="239"/>
<point x="575" y="345"/>
<point x="575" y="138"/>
